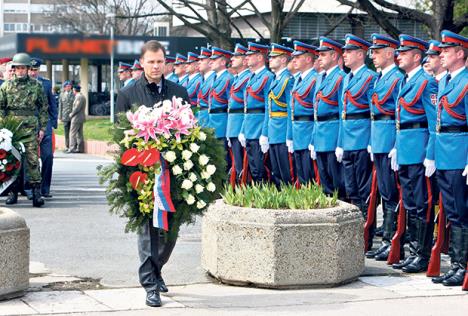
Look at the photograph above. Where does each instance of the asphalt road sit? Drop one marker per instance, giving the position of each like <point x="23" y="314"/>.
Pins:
<point x="74" y="233"/>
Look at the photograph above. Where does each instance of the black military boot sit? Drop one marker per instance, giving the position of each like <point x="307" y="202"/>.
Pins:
<point x="38" y="201"/>
<point x="389" y="231"/>
<point x="13" y="194"/>
<point x="410" y="235"/>
<point x="455" y="232"/>
<point x="460" y="250"/>
<point x="423" y="251"/>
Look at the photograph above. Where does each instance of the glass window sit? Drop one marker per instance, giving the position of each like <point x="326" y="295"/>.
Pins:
<point x="162" y="31"/>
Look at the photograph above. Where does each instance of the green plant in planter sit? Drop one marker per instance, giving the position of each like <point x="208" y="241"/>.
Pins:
<point x="268" y="196"/>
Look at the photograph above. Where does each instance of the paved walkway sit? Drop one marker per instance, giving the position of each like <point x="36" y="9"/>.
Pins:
<point x="395" y="294"/>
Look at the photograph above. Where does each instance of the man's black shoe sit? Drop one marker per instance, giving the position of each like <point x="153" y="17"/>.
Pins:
<point x="445" y="276"/>
<point x="383" y="256"/>
<point x="162" y="285"/>
<point x="47" y="195"/>
<point x="153" y="299"/>
<point x="403" y="263"/>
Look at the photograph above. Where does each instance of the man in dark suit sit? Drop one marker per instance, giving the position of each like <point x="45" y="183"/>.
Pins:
<point x="151" y="88"/>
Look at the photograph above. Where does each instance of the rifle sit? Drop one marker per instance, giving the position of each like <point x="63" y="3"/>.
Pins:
<point x="395" y="251"/>
<point x="371" y="209"/>
<point x="433" y="268"/>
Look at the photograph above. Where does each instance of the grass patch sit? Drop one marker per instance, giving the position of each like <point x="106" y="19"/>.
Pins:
<point x="94" y="128"/>
<point x="267" y="196"/>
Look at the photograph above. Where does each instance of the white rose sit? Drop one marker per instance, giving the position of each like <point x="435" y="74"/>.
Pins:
<point x="186" y="154"/>
<point x="201" y="204"/>
<point x="211" y="187"/>
<point x="203" y="160"/>
<point x="176" y="170"/>
<point x="188" y="165"/>
<point x="194" y="147"/>
<point x="210" y="169"/>
<point x="202" y="136"/>
<point x="199" y="188"/>
<point x="170" y="156"/>
<point x="167" y="106"/>
<point x="5" y="161"/>
<point x="192" y="177"/>
<point x="205" y="175"/>
<point x="190" y="199"/>
<point x="187" y="184"/>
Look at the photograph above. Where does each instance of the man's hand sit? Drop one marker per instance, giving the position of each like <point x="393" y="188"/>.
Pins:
<point x="465" y="174"/>
<point x="393" y="159"/>
<point x="339" y="154"/>
<point x="289" y="144"/>
<point x="430" y="167"/>
<point x="228" y="142"/>
<point x="241" y="139"/>
<point x="313" y="154"/>
<point x="369" y="150"/>
<point x="40" y="135"/>
<point x="264" y="145"/>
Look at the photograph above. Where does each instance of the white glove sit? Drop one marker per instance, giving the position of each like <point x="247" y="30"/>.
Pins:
<point x="241" y="139"/>
<point x="289" y="143"/>
<point x="313" y="154"/>
<point x="393" y="162"/>
<point x="339" y="154"/>
<point x="465" y="174"/>
<point x="430" y="167"/>
<point x="263" y="141"/>
<point x="229" y="142"/>
<point x="369" y="150"/>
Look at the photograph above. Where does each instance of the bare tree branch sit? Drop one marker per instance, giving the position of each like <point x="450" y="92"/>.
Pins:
<point x="337" y="23"/>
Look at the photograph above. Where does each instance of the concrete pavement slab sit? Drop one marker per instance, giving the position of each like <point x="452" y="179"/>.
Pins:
<point x="128" y="299"/>
<point x="15" y="307"/>
<point x="38" y="268"/>
<point x="63" y="302"/>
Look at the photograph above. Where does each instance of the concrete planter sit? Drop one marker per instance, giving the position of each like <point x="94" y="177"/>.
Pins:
<point x="283" y="248"/>
<point x="14" y="254"/>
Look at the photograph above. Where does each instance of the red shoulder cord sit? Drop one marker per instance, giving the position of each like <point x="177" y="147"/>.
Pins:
<point x="217" y="95"/>
<point x="234" y="90"/>
<point x="195" y="90"/>
<point x="300" y="97"/>
<point x="379" y="103"/>
<point x="326" y="98"/>
<point x="358" y="94"/>
<point x="448" y="106"/>
<point x="253" y="93"/>
<point x="408" y="105"/>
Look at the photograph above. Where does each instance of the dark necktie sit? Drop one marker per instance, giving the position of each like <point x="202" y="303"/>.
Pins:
<point x="299" y="80"/>
<point x="447" y="79"/>
<point x="324" y="76"/>
<point x="379" y="76"/>
<point x="405" y="79"/>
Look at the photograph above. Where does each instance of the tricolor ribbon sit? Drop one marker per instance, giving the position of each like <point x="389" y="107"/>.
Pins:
<point x="162" y="197"/>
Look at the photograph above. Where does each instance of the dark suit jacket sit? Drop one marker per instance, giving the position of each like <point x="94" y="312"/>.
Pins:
<point x="52" y="101"/>
<point x="144" y="93"/>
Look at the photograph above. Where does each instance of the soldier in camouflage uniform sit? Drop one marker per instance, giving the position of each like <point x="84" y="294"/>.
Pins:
<point x="23" y="98"/>
<point x="65" y="107"/>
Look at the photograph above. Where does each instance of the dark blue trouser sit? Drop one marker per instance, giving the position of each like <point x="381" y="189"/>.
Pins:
<point x="255" y="158"/>
<point x="331" y="174"/>
<point x="454" y="196"/>
<point x="47" y="158"/>
<point x="238" y="154"/>
<point x="304" y="167"/>
<point x="386" y="181"/>
<point x="416" y="189"/>
<point x="357" y="170"/>
<point x="280" y="166"/>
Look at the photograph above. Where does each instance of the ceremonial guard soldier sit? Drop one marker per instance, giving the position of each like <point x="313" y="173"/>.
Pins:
<point x="125" y="73"/>
<point x="236" y="107"/>
<point x="412" y="156"/>
<point x="382" y="140"/>
<point x="219" y="94"/>
<point x="301" y="123"/>
<point x="137" y="70"/>
<point x="327" y="120"/>
<point x="354" y="132"/>
<point x="204" y="66"/>
<point x="451" y="151"/>
<point x="194" y="78"/>
<point x="433" y="60"/>
<point x="276" y="122"/>
<point x="180" y="69"/>
<point x="169" y="73"/>
<point x="256" y="104"/>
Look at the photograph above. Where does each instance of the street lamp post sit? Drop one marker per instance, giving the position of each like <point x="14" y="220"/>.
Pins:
<point x="111" y="17"/>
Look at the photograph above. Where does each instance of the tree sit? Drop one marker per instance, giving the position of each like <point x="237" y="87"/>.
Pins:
<point x="216" y="19"/>
<point x="436" y="15"/>
<point x="89" y="16"/>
